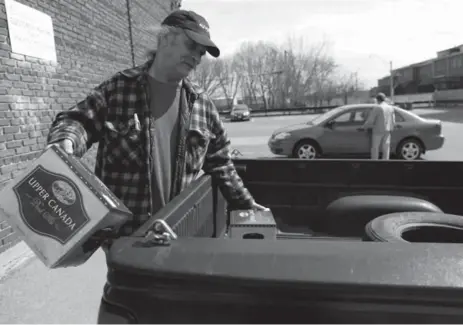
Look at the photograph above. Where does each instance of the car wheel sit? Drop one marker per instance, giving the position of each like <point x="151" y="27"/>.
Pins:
<point x="409" y="149"/>
<point x="306" y="150"/>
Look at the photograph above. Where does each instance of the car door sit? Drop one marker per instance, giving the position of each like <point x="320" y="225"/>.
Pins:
<point x="344" y="134"/>
<point x="401" y="129"/>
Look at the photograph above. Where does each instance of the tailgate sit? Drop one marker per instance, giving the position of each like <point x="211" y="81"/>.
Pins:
<point x="208" y="280"/>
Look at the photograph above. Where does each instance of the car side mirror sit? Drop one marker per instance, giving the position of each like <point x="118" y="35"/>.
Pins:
<point x="330" y="124"/>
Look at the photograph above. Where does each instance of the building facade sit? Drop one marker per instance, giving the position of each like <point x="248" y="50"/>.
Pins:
<point x="93" y="39"/>
<point x="444" y="72"/>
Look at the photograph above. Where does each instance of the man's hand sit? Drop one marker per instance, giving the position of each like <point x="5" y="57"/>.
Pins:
<point x="65" y="144"/>
<point x="259" y="207"/>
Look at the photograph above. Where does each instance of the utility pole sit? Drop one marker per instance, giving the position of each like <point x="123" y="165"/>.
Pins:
<point x="391" y="81"/>
<point x="285" y="88"/>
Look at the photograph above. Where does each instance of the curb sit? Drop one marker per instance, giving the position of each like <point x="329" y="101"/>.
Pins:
<point x="13" y="258"/>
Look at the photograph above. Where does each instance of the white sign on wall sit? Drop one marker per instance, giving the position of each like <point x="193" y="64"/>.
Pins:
<point x="31" y="31"/>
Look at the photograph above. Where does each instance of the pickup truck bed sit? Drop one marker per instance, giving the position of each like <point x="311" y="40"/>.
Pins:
<point x="319" y="270"/>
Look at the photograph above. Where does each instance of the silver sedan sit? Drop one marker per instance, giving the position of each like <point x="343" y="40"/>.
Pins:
<point x="340" y="133"/>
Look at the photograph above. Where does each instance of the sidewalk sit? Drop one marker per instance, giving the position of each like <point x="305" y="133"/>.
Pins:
<point x="35" y="294"/>
<point x="13" y="258"/>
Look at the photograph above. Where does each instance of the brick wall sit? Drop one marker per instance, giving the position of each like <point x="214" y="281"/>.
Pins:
<point x="92" y="39"/>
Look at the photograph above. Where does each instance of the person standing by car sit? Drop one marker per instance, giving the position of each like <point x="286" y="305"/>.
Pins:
<point x="381" y="122"/>
<point x="156" y="131"/>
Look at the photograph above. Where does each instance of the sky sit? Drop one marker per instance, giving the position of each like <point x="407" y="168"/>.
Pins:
<point x="363" y="35"/>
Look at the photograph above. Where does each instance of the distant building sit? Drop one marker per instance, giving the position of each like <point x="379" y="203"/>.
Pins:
<point x="443" y="72"/>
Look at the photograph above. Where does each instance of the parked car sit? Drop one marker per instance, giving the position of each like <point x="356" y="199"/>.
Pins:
<point x="340" y="132"/>
<point x="323" y="266"/>
<point x="240" y="112"/>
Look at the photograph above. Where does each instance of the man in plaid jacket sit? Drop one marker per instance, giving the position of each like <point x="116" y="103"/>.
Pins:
<point x="156" y="131"/>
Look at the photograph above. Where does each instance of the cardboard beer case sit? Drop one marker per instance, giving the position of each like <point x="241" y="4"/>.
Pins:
<point x="57" y="204"/>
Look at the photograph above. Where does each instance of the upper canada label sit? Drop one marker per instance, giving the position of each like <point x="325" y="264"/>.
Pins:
<point x="51" y="205"/>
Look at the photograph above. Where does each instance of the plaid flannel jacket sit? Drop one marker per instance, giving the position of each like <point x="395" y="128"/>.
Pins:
<point x="123" y="162"/>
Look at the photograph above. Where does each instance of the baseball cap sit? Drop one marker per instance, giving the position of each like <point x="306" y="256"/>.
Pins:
<point x="381" y="97"/>
<point x="195" y="26"/>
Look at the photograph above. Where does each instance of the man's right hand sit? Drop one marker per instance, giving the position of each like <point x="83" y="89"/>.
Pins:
<point x="65" y="144"/>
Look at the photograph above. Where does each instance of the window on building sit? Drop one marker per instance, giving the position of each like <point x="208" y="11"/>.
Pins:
<point x="440" y="65"/>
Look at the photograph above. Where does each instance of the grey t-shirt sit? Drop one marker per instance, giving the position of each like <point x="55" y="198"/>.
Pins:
<point x="165" y="105"/>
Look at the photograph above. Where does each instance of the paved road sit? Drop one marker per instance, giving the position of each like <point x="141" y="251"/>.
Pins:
<point x="34" y="294"/>
<point x="250" y="138"/>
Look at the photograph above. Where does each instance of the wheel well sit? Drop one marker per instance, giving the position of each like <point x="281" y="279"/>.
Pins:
<point x="423" y="148"/>
<point x="307" y="140"/>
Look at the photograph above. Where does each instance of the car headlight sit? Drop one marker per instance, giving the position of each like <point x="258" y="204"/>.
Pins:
<point x="246" y="113"/>
<point x="282" y="135"/>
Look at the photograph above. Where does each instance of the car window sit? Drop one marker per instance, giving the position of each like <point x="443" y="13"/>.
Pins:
<point x="354" y="117"/>
<point x="326" y="116"/>
<point x="343" y="118"/>
<point x="360" y="116"/>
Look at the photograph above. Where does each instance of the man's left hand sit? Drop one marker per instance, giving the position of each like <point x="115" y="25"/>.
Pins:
<point x="259" y="207"/>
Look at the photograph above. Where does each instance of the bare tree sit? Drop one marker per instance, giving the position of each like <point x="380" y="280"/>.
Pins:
<point x="323" y="79"/>
<point x="330" y="91"/>
<point x="246" y="64"/>
<point x="306" y="70"/>
<point x="206" y="76"/>
<point x="348" y="84"/>
<point x="270" y="76"/>
<point x="228" y="79"/>
<point x="259" y="63"/>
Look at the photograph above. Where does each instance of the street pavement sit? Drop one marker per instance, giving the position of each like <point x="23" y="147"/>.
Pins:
<point x="250" y="138"/>
<point x="32" y="293"/>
